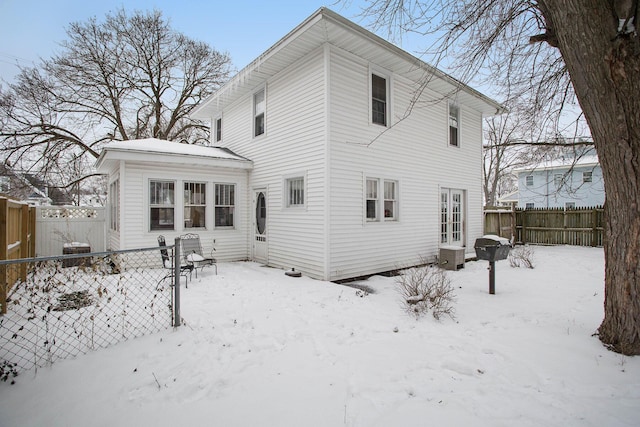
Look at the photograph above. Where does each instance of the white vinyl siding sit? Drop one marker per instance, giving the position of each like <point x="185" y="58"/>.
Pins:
<point x="296" y="141"/>
<point x="411" y="155"/>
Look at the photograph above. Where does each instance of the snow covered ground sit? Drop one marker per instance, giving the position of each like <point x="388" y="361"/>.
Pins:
<point x="259" y="348"/>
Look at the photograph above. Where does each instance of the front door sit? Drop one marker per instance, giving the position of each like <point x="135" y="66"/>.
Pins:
<point x="260" y="252"/>
<point x="451" y="217"/>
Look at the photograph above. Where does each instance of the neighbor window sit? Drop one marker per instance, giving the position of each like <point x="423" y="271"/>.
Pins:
<point x="295" y="191"/>
<point x="195" y="204"/>
<point x="454" y="125"/>
<point x="529" y="206"/>
<point x="258" y="113"/>
<point x="114" y="196"/>
<point x="378" y="100"/>
<point x="557" y="180"/>
<point x="587" y="176"/>
<point x="570" y="205"/>
<point x="390" y="200"/>
<point x="225" y="205"/>
<point x="219" y="129"/>
<point x="529" y="180"/>
<point x="161" y="205"/>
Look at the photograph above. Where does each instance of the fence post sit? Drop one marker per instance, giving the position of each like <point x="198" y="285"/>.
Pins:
<point x="176" y="284"/>
<point x="24" y="240"/>
<point x="3" y="254"/>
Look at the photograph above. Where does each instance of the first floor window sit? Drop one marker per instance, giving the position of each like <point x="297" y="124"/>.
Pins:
<point x="224" y="205"/>
<point x="372" y="199"/>
<point x="195" y="204"/>
<point x="390" y="200"/>
<point x="161" y="205"/>
<point x="381" y="200"/>
<point x="114" y="196"/>
<point x="295" y="191"/>
<point x="529" y="206"/>
<point x="570" y="205"/>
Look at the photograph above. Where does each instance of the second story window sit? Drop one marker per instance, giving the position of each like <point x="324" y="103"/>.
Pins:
<point x="529" y="180"/>
<point x="219" y="129"/>
<point x="587" y="176"/>
<point x="378" y="100"/>
<point x="454" y="125"/>
<point x="258" y="113"/>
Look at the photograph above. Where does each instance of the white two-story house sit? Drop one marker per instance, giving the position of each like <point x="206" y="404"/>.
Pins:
<point x="346" y="156"/>
<point x="566" y="182"/>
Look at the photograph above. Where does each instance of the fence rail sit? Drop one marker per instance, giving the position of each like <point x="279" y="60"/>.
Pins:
<point x="71" y="304"/>
<point x="578" y="227"/>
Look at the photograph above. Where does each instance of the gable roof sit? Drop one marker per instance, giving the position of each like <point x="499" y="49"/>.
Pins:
<point x="168" y="152"/>
<point x="326" y="26"/>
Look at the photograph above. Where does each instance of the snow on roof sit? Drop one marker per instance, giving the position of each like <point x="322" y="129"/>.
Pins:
<point x="153" y="145"/>
<point x="561" y="162"/>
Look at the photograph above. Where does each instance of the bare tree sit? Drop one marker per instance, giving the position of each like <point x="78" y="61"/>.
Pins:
<point x="555" y="52"/>
<point x="127" y="77"/>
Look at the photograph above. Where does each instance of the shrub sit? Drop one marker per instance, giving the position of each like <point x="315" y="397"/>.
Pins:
<point x="426" y="288"/>
<point x="521" y="256"/>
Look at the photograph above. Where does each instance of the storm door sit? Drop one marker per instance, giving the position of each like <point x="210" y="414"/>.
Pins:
<point x="260" y="243"/>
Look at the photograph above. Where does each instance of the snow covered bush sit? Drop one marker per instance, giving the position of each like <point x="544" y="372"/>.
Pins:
<point x="521" y="256"/>
<point x="426" y="289"/>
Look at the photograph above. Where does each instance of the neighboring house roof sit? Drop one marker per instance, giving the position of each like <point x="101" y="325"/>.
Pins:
<point x="169" y="152"/>
<point x="326" y="26"/>
<point x="561" y="163"/>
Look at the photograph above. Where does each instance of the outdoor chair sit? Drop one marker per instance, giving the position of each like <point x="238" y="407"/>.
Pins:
<point x="167" y="263"/>
<point x="192" y="253"/>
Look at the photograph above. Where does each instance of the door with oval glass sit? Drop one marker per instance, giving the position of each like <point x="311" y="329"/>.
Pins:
<point x="260" y="243"/>
<point x="452" y="219"/>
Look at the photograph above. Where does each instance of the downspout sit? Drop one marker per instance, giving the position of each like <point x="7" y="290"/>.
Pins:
<point x="327" y="162"/>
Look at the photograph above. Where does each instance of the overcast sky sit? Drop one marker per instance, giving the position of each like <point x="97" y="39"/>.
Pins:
<point x="30" y="29"/>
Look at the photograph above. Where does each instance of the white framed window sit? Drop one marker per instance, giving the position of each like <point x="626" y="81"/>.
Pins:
<point x="570" y="205"/>
<point x="114" y="205"/>
<point x="295" y="189"/>
<point x="225" y="205"/>
<point x="379" y="99"/>
<point x="381" y="199"/>
<point x="558" y="179"/>
<point x="529" y="180"/>
<point x="195" y="204"/>
<point x="218" y="129"/>
<point x="529" y="206"/>
<point x="390" y="200"/>
<point x="372" y="199"/>
<point x="259" y="110"/>
<point x="587" y="176"/>
<point x="454" y="125"/>
<point x="161" y="205"/>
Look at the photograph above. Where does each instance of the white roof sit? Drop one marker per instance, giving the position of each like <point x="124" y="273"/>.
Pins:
<point x="326" y="26"/>
<point x="161" y="151"/>
<point x="562" y="163"/>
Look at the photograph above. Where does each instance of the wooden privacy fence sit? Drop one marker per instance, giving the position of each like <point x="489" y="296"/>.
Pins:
<point x="578" y="227"/>
<point x="17" y="240"/>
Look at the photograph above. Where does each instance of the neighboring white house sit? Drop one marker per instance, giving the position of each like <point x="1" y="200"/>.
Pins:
<point x="342" y="167"/>
<point x="562" y="183"/>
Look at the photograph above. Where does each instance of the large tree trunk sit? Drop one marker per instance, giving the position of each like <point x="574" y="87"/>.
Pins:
<point x="605" y="71"/>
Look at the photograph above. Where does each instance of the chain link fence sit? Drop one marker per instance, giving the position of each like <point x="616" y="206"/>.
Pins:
<point x="63" y="306"/>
